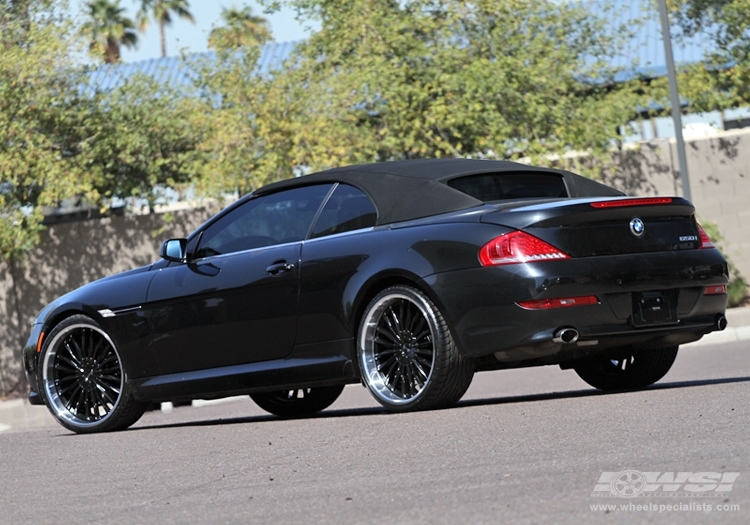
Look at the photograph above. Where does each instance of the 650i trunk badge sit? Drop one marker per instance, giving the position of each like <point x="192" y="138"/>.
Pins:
<point x="637" y="227"/>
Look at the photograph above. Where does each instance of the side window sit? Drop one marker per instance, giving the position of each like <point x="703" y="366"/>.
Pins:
<point x="277" y="218"/>
<point x="347" y="209"/>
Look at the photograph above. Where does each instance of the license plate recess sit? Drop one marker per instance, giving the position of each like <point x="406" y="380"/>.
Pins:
<point x="655" y="308"/>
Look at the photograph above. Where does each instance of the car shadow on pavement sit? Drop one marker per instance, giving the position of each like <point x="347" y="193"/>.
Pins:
<point x="373" y="411"/>
<point x="590" y="392"/>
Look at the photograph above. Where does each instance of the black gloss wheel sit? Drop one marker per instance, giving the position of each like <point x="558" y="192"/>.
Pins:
<point x="407" y="355"/>
<point x="82" y="379"/>
<point x="298" y="401"/>
<point x="630" y="369"/>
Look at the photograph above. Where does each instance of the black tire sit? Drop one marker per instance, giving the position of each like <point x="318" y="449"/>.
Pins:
<point x="299" y="401"/>
<point x="406" y="353"/>
<point x="630" y="370"/>
<point x="82" y="380"/>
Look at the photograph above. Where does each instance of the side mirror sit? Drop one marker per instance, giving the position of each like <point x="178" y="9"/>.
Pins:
<point x="174" y="250"/>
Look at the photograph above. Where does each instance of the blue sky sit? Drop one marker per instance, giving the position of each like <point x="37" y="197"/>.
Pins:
<point x="194" y="37"/>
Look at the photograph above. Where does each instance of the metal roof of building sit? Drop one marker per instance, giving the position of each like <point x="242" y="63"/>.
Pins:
<point x="643" y="52"/>
<point x="176" y="70"/>
<point x="641" y="55"/>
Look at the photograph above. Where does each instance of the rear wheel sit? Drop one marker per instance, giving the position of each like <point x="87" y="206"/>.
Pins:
<point x="82" y="379"/>
<point x="299" y="401"/>
<point x="630" y="370"/>
<point x="407" y="355"/>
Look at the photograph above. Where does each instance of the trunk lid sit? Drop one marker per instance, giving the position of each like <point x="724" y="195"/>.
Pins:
<point x="598" y="226"/>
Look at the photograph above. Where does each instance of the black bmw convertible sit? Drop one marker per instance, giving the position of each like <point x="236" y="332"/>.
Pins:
<point x="406" y="276"/>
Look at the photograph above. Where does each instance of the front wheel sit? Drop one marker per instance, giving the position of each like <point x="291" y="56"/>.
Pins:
<point x="82" y="379"/>
<point x="632" y="369"/>
<point x="407" y="355"/>
<point x="297" y="402"/>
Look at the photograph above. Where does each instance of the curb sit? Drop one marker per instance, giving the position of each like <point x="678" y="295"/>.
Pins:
<point x="17" y="415"/>
<point x="738" y="328"/>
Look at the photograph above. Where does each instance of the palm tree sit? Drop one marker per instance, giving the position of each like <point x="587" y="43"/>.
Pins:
<point x="107" y="29"/>
<point x="162" y="11"/>
<point x="241" y="28"/>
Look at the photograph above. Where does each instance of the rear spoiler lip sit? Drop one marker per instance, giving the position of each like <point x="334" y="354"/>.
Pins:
<point x="592" y="201"/>
<point x="521" y="216"/>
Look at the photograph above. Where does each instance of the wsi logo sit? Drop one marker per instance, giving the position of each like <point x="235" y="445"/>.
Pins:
<point x="632" y="483"/>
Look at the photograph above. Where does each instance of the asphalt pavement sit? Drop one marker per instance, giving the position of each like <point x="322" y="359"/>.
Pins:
<point x="17" y="415"/>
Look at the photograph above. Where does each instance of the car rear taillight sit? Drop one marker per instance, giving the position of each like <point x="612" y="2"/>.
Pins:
<point x="543" y="304"/>
<point x="720" y="289"/>
<point x="518" y="247"/>
<point x="705" y="239"/>
<point x="647" y="201"/>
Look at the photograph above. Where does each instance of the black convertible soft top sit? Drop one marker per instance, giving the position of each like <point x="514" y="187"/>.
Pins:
<point x="412" y="189"/>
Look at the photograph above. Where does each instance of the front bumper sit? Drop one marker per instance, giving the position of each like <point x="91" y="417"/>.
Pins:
<point x="30" y="356"/>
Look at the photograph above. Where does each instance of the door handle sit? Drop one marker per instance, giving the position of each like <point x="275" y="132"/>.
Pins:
<point x="280" y="267"/>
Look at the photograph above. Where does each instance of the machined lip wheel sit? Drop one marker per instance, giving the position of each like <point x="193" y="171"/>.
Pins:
<point x="398" y="348"/>
<point x="82" y="375"/>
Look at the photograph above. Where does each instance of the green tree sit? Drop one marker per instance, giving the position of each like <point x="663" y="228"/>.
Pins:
<point x="432" y="78"/>
<point x="727" y="21"/>
<point x="107" y="28"/>
<point x="241" y="28"/>
<point x="162" y="12"/>
<point x="722" y="80"/>
<point x="41" y="108"/>
<point x="251" y="123"/>
<point x="146" y="140"/>
<point x="62" y="139"/>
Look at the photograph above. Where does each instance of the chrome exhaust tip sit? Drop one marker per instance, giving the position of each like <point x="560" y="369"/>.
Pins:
<point x="721" y="322"/>
<point x="565" y="336"/>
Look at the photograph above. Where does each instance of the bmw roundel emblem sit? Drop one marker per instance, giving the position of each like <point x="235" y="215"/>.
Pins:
<point x="637" y="227"/>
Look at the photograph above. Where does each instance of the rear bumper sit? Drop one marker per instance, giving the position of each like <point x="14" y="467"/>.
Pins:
<point x="481" y="304"/>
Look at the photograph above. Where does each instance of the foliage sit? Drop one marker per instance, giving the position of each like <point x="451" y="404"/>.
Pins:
<point x="107" y="28"/>
<point x="721" y="82"/>
<point x="61" y="140"/>
<point x="144" y="142"/>
<point x="241" y="28"/>
<point x="738" y="287"/>
<point x="726" y="20"/>
<point x="39" y="110"/>
<point x="250" y="123"/>
<point x="435" y="78"/>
